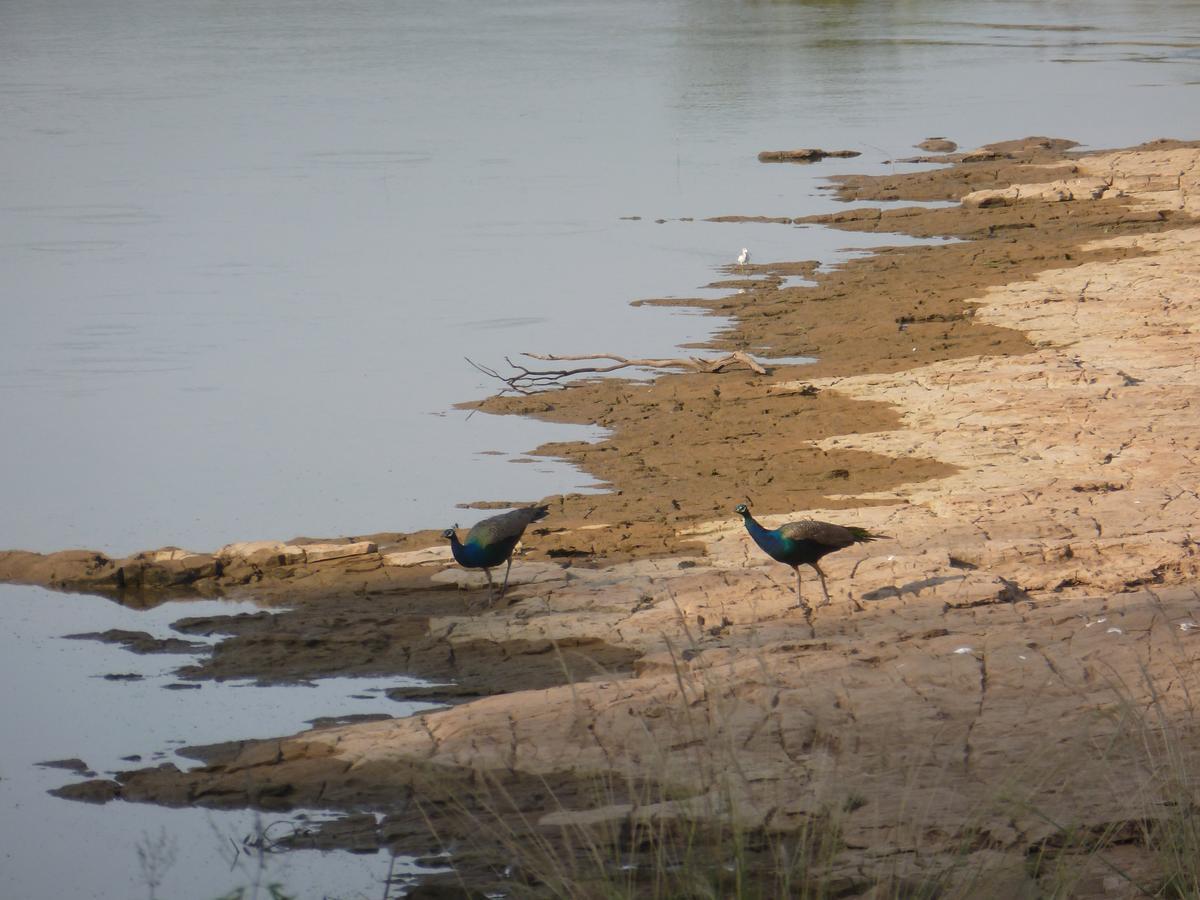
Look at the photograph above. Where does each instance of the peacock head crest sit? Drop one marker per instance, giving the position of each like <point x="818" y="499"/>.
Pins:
<point x="742" y="509"/>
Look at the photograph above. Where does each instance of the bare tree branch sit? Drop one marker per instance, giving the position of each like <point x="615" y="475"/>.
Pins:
<point x="525" y="380"/>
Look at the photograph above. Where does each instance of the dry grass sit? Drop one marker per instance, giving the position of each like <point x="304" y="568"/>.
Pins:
<point x="635" y="834"/>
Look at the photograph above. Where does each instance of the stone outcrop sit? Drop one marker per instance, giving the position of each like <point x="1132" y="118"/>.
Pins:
<point x="168" y="571"/>
<point x="90" y="571"/>
<point x="937" y="145"/>
<point x="1161" y="180"/>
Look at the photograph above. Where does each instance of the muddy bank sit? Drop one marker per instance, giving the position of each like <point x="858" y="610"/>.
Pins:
<point x="1016" y="410"/>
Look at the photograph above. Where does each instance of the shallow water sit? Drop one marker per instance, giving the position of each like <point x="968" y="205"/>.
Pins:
<point x="58" y="705"/>
<point x="246" y="247"/>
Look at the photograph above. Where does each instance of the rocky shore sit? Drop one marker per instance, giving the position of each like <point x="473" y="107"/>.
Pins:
<point x="1016" y="408"/>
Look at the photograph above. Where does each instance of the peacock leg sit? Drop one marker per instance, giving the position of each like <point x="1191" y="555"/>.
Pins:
<point x="491" y="585"/>
<point x="800" y="604"/>
<point x="507" y="569"/>
<point x="799" y="597"/>
<point x="824" y="590"/>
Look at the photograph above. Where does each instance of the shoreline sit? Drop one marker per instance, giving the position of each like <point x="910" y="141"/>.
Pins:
<point x="1047" y="398"/>
<point x="851" y="328"/>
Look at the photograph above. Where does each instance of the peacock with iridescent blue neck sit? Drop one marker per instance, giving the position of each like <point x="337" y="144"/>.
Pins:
<point x="492" y="542"/>
<point x="803" y="544"/>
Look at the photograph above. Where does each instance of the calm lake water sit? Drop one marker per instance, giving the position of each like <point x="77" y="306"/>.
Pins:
<point x="246" y="247"/>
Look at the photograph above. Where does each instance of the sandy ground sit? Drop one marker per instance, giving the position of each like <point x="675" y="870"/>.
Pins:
<point x="1014" y="409"/>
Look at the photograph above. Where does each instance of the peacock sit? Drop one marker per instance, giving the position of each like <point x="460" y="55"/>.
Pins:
<point x="492" y="541"/>
<point x="804" y="543"/>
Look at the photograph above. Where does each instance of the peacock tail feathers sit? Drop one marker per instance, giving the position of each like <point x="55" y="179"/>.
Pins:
<point x="506" y="526"/>
<point x="862" y="536"/>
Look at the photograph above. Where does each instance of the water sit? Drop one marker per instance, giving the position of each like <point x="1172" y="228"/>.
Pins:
<point x="57" y="705"/>
<point x="246" y="245"/>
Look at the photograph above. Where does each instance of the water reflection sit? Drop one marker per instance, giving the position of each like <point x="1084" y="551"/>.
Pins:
<point x="837" y="60"/>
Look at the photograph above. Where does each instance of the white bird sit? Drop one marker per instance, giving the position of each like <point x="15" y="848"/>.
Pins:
<point x="743" y="257"/>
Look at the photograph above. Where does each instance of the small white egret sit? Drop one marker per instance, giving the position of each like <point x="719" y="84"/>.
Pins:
<point x="743" y="257"/>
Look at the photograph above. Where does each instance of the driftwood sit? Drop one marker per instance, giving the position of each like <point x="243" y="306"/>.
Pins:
<point x="525" y="380"/>
<point x="805" y="155"/>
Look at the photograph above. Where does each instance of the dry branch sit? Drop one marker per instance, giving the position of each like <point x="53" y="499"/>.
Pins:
<point x="525" y="380"/>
